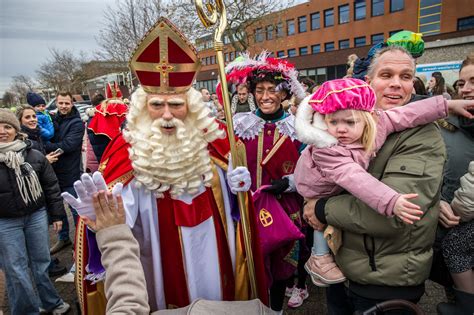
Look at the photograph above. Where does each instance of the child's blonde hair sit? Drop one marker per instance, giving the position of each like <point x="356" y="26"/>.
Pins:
<point x="370" y="128"/>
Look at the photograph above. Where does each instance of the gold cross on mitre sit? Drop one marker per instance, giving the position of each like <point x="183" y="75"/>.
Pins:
<point x="165" y="61"/>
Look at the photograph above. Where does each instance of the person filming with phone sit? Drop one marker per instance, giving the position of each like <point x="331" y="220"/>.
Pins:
<point x="66" y="144"/>
<point x="29" y="194"/>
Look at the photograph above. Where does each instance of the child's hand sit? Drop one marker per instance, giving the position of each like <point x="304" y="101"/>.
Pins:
<point x="408" y="212"/>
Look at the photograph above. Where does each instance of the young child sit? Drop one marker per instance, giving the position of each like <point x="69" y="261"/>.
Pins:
<point x="343" y="133"/>
<point x="45" y="122"/>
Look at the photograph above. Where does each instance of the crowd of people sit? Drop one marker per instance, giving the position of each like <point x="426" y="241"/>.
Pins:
<point x="365" y="184"/>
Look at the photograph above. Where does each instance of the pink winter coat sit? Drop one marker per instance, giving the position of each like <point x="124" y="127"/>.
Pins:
<point x="325" y="172"/>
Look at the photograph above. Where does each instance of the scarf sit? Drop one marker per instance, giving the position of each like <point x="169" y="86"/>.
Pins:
<point x="28" y="183"/>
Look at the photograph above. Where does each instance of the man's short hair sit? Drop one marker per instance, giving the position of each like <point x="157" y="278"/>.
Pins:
<point x="378" y="54"/>
<point x="65" y="93"/>
<point x="242" y="85"/>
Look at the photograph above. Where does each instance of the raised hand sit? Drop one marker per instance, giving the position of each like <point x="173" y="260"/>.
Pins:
<point x="407" y="212"/>
<point x="85" y="189"/>
<point x="108" y="209"/>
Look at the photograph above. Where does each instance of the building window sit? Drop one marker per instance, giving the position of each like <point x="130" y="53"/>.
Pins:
<point x="359" y="9"/>
<point x="292" y="52"/>
<point x="377" y="7"/>
<point x="344" y="44"/>
<point x="280" y="53"/>
<point x="315" y="21"/>
<point x="377" y="38"/>
<point x="302" y="24"/>
<point x="259" y="35"/>
<point x="429" y="19"/>
<point x="303" y="51"/>
<point x="226" y="57"/>
<point x="343" y="14"/>
<point x="231" y="55"/>
<point x="290" y="27"/>
<point x="396" y="5"/>
<point x="279" y="30"/>
<point x="329" y="46"/>
<point x="316" y="49"/>
<point x="328" y="17"/>
<point x="269" y="31"/>
<point x="466" y="23"/>
<point x="359" y="41"/>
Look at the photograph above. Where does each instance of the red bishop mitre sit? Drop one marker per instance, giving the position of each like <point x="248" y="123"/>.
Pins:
<point x="110" y="114"/>
<point x="165" y="61"/>
<point x="113" y="91"/>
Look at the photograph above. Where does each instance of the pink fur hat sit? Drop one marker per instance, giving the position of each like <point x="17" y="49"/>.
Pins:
<point x="342" y="94"/>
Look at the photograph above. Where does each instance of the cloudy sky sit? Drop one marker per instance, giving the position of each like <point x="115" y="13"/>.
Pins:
<point x="29" y="28"/>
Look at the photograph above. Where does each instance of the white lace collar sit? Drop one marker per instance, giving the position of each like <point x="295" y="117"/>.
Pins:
<point x="248" y="125"/>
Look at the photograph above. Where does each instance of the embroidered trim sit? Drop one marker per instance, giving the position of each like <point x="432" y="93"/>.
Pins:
<point x="122" y="179"/>
<point x="259" y="159"/>
<point x="79" y="278"/>
<point x="337" y="91"/>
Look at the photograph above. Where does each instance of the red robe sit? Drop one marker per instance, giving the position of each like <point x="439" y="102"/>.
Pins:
<point x="116" y="167"/>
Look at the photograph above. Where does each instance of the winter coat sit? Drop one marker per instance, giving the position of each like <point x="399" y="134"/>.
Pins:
<point x="11" y="203"/>
<point x="67" y="136"/>
<point x="330" y="170"/>
<point x="383" y="257"/>
<point x="46" y="125"/>
<point x="460" y="150"/>
<point x="34" y="137"/>
<point x="463" y="202"/>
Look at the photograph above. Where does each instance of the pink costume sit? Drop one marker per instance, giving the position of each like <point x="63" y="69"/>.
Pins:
<point x="327" y="171"/>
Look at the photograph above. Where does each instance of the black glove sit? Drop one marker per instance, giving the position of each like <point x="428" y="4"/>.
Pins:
<point x="278" y="186"/>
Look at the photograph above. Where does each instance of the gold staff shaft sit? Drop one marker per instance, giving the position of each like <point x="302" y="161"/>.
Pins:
<point x="218" y="11"/>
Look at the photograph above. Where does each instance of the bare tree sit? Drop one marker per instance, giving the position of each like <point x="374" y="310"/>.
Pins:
<point x="20" y="85"/>
<point x="62" y="71"/>
<point x="128" y="20"/>
<point x="8" y="99"/>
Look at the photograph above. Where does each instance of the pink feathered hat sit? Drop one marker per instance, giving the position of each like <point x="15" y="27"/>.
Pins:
<point x="342" y="94"/>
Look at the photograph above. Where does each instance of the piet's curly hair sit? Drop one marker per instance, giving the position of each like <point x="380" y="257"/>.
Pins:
<point x="262" y="75"/>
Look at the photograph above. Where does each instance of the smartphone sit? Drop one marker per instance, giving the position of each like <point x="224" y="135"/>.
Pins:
<point x="58" y="151"/>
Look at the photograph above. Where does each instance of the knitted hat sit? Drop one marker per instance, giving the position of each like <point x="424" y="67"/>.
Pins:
<point x="7" y="117"/>
<point x="342" y="94"/>
<point x="34" y="99"/>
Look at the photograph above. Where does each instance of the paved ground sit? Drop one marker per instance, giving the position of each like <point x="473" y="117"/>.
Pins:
<point x="315" y="304"/>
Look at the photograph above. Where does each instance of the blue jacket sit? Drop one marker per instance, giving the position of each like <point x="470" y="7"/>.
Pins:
<point x="46" y="125"/>
<point x="68" y="135"/>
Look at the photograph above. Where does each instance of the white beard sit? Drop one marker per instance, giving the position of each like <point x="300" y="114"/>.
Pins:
<point x="179" y="162"/>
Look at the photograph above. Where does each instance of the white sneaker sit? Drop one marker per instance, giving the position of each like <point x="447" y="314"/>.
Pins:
<point x="68" y="277"/>
<point x="297" y="297"/>
<point x="61" y="309"/>
<point x="289" y="291"/>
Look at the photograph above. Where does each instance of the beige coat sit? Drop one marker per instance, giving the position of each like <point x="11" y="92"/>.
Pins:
<point x="463" y="202"/>
<point x="125" y="287"/>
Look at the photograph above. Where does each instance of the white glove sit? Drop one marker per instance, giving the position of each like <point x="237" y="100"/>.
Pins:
<point x="239" y="179"/>
<point x="291" y="183"/>
<point x="85" y="189"/>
